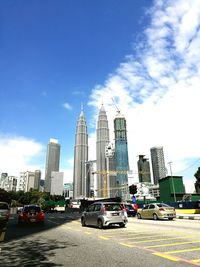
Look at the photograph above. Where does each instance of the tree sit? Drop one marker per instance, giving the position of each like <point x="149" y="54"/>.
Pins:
<point x="5" y="196"/>
<point x="197" y="183"/>
<point x="197" y="175"/>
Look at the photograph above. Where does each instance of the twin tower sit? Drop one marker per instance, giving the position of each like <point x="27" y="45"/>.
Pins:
<point x="110" y="177"/>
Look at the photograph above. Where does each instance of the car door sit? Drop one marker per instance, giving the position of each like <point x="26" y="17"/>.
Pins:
<point x="89" y="215"/>
<point x="144" y="212"/>
<point x="151" y="211"/>
<point x="96" y="213"/>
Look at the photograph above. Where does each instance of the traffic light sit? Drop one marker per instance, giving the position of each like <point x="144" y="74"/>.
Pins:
<point x="133" y="189"/>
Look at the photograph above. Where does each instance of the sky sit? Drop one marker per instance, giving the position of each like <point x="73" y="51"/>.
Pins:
<point x="58" y="55"/>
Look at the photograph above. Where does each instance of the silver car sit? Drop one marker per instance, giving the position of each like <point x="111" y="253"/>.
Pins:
<point x="103" y="214"/>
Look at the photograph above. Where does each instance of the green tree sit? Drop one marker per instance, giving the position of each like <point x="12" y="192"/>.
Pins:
<point x="197" y="183"/>
<point x="5" y="196"/>
<point x="197" y="175"/>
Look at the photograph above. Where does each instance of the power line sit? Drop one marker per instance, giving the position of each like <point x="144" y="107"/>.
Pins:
<point x="190" y="165"/>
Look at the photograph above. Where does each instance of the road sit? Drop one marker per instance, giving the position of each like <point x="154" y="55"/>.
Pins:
<point x="62" y="241"/>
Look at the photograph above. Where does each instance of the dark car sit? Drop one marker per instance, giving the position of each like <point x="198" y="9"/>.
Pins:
<point x="131" y="209"/>
<point x="4" y="214"/>
<point x="31" y="214"/>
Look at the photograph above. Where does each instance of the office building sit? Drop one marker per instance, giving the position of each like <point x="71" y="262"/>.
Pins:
<point x="8" y="183"/>
<point x="144" y="174"/>
<point x="158" y="163"/>
<point x="80" y="158"/>
<point x="52" y="162"/>
<point x="121" y="154"/>
<point x="29" y="180"/>
<point x="102" y="140"/>
<point x="57" y="183"/>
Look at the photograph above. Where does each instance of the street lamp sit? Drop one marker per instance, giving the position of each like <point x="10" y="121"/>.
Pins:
<point x="172" y="180"/>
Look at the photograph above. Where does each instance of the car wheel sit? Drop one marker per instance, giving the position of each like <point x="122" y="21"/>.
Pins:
<point x="122" y="225"/>
<point x="139" y="216"/>
<point x="155" y="216"/>
<point x="83" y="222"/>
<point x="100" y="224"/>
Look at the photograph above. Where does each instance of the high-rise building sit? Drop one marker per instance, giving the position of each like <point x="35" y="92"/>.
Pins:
<point x="52" y="162"/>
<point x="80" y="157"/>
<point x="144" y="174"/>
<point x="57" y="187"/>
<point x="158" y="163"/>
<point x="29" y="180"/>
<point x="102" y="140"/>
<point x="121" y="154"/>
<point x="8" y="183"/>
<point x="90" y="190"/>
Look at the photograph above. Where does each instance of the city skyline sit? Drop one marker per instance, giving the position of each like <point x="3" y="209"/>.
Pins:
<point x="55" y="56"/>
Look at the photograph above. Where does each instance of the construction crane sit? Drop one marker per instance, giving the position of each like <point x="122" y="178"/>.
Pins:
<point x="118" y="110"/>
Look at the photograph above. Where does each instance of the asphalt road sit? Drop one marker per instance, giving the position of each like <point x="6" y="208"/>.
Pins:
<point x="62" y="241"/>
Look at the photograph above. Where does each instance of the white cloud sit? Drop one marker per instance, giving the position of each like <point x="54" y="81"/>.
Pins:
<point x="67" y="106"/>
<point x="19" y="154"/>
<point x="158" y="87"/>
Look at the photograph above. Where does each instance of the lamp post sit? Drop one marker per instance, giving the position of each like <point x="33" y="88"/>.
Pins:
<point x="172" y="180"/>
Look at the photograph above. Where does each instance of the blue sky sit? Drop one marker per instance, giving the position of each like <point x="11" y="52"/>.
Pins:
<point x="56" y="55"/>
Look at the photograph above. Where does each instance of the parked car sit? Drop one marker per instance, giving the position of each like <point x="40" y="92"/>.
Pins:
<point x="31" y="214"/>
<point x="103" y="214"/>
<point x="131" y="209"/>
<point x="157" y="211"/>
<point x="4" y="213"/>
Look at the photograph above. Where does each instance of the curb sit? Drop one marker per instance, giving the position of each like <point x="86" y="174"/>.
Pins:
<point x="190" y="217"/>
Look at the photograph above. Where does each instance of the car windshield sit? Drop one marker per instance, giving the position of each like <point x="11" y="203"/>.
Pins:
<point x="113" y="207"/>
<point x="32" y="209"/>
<point x="3" y="206"/>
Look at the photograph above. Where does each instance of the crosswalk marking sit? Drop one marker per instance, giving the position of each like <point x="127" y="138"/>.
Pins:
<point x="127" y="245"/>
<point x="174" y="244"/>
<point x="165" y="256"/>
<point x="182" y="250"/>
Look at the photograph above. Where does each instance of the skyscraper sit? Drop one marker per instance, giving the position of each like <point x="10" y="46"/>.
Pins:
<point x="158" y="163"/>
<point x="144" y="174"/>
<point x="102" y="140"/>
<point x="80" y="157"/>
<point x="52" y="162"/>
<point x="121" y="153"/>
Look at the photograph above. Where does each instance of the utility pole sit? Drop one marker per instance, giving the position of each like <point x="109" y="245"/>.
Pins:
<point x="172" y="180"/>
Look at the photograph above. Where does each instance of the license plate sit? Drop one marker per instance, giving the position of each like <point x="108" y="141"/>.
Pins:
<point x="32" y="220"/>
<point x="115" y="214"/>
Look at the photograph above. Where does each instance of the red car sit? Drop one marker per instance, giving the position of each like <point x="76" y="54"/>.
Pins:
<point x="31" y="214"/>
